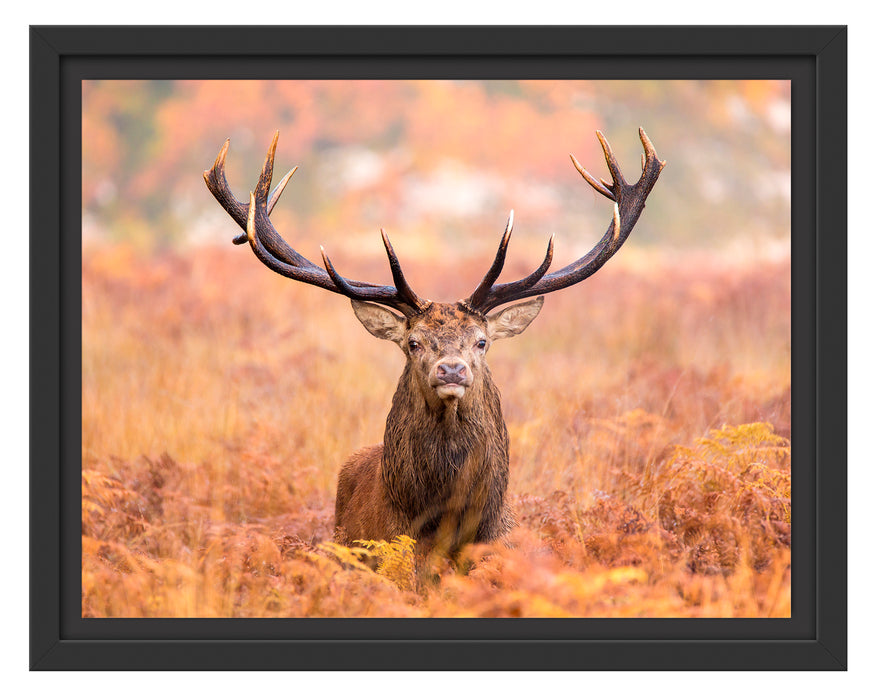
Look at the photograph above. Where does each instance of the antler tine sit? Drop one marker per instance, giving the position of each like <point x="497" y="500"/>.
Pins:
<point x="598" y="185"/>
<point x="531" y="279"/>
<point x="616" y="222"/>
<point x="629" y="201"/>
<point x="612" y="163"/>
<point x="407" y="302"/>
<point x="265" y="179"/>
<point x="273" y="241"/>
<point x="270" y="205"/>
<point x="650" y="154"/>
<point x="404" y="289"/>
<point x="339" y="281"/>
<point x="279" y="188"/>
<point x="218" y="185"/>
<point x="274" y="252"/>
<point x="215" y="179"/>
<point x="479" y="295"/>
<point x="498" y="293"/>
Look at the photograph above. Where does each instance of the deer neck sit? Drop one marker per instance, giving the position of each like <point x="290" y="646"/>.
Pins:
<point x="429" y="445"/>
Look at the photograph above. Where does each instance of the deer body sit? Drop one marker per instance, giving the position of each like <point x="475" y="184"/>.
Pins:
<point x="441" y="473"/>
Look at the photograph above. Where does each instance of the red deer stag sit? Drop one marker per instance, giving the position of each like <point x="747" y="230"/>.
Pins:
<point x="441" y="474"/>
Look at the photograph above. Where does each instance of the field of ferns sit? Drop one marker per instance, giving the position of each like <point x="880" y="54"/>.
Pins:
<point x="648" y="409"/>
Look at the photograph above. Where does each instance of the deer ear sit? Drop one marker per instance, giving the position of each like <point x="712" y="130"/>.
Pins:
<point x="380" y="321"/>
<point x="513" y="319"/>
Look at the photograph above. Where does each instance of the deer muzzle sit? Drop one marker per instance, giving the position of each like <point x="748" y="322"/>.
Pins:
<point x="451" y="378"/>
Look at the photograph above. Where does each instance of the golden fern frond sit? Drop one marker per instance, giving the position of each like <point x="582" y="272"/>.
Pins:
<point x="397" y="559"/>
<point x="347" y="556"/>
<point x="742" y="445"/>
<point x="748" y="464"/>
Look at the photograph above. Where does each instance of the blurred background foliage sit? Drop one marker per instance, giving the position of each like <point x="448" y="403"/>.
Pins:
<point x="438" y="161"/>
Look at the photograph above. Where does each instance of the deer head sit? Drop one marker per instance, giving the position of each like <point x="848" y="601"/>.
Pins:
<point x="446" y="344"/>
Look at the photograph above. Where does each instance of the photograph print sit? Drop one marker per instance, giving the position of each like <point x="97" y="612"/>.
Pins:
<point x="436" y="349"/>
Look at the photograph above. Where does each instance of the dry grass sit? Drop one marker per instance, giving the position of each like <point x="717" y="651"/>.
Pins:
<point x="649" y="411"/>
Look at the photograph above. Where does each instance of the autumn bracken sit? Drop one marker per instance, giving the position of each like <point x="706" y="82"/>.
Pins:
<point x="650" y="459"/>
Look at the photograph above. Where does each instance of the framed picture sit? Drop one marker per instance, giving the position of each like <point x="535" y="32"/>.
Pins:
<point x="664" y="471"/>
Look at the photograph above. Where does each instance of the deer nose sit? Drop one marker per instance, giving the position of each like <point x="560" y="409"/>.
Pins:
<point x="452" y="374"/>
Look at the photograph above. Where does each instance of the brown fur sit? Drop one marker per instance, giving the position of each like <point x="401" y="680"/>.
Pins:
<point x="441" y="474"/>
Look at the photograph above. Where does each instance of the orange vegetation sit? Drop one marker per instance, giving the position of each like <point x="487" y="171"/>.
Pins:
<point x="649" y="412"/>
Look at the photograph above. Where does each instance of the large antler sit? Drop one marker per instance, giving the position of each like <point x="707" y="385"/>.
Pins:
<point x="274" y="252"/>
<point x="629" y="202"/>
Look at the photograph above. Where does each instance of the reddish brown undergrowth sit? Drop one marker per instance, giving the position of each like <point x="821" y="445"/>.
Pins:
<point x="649" y="412"/>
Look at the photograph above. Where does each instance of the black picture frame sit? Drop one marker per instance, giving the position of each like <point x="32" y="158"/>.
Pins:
<point x="812" y="57"/>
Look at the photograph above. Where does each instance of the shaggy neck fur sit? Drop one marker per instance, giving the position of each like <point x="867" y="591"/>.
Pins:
<point x="447" y="459"/>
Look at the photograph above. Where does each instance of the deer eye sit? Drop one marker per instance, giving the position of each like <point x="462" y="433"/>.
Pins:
<point x="481" y="344"/>
<point x="414" y="346"/>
